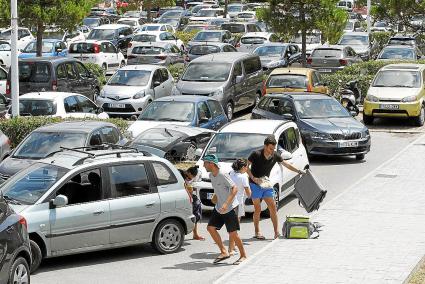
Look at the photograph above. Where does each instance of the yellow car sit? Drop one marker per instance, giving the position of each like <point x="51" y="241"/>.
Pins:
<point x="396" y="91"/>
<point x="294" y="80"/>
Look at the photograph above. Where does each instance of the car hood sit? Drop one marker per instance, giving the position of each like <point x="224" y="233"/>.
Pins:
<point x="11" y="166"/>
<point x="393" y="93"/>
<point x="139" y="126"/>
<point x="198" y="88"/>
<point x="149" y="149"/>
<point x="121" y="92"/>
<point x="333" y="125"/>
<point x="267" y="59"/>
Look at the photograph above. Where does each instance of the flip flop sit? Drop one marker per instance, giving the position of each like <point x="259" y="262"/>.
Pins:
<point x="259" y="237"/>
<point x="239" y="261"/>
<point x="220" y="259"/>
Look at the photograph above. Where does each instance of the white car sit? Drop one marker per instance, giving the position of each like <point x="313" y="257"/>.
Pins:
<point x="250" y="41"/>
<point x="74" y="36"/>
<point x="24" y="37"/>
<point x="102" y="53"/>
<point x="205" y="15"/>
<point x="132" y="22"/>
<point x="144" y="37"/>
<point x="132" y="88"/>
<point x="234" y="9"/>
<point x="3" y="80"/>
<point x="5" y="51"/>
<point x="239" y="139"/>
<point x="156" y="28"/>
<point x="247" y="16"/>
<point x="58" y="104"/>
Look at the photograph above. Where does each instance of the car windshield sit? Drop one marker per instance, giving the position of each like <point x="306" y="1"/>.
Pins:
<point x="402" y="41"/>
<point x="5" y="35"/>
<point x="397" y="53"/>
<point x="253" y="40"/>
<point x="169" y="111"/>
<point x="269" y="50"/>
<point x="91" y="22"/>
<point x="170" y="21"/>
<point x="40" y="144"/>
<point x="32" y="107"/>
<point x="204" y="49"/>
<point x="151" y="28"/>
<point x="157" y="137"/>
<point x="144" y="38"/>
<point x="287" y="81"/>
<point x="327" y="53"/>
<point x="102" y="34"/>
<point x="349" y="26"/>
<point x="207" y="72"/>
<point x="32" y="47"/>
<point x="148" y="50"/>
<point x="234" y="8"/>
<point x="320" y="108"/>
<point x="130" y="23"/>
<point x="208" y="36"/>
<point x="34" y="72"/>
<point x="233" y="28"/>
<point x="310" y="39"/>
<point x="397" y="78"/>
<point x="231" y="146"/>
<point x="82" y="47"/>
<point x="380" y="24"/>
<point x="206" y="13"/>
<point x="130" y="78"/>
<point x="172" y="14"/>
<point x="354" y="40"/>
<point x="246" y="16"/>
<point x="193" y="28"/>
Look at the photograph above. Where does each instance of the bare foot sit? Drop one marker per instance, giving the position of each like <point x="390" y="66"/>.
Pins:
<point x="277" y="235"/>
<point x="199" y="238"/>
<point x="239" y="261"/>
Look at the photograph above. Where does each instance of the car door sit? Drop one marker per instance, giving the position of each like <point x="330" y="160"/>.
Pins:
<point x="136" y="205"/>
<point x="204" y="116"/>
<point x="71" y="77"/>
<point x="167" y="81"/>
<point x="238" y="81"/>
<point x="62" y="78"/>
<point x="218" y="117"/>
<point x="86" y="107"/>
<point x="85" y="81"/>
<point x="261" y="111"/>
<point x="72" y="108"/>
<point x="84" y="222"/>
<point x="3" y="79"/>
<point x="253" y="78"/>
<point x="159" y="91"/>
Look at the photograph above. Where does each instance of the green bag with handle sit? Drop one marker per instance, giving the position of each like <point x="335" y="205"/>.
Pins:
<point x="300" y="227"/>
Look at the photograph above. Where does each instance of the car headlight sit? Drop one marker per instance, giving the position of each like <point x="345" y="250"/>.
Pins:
<point x="409" y="99"/>
<point x="218" y="93"/>
<point x="139" y="95"/>
<point x="365" y="134"/>
<point x="319" y="135"/>
<point x="372" y="98"/>
<point x="175" y="91"/>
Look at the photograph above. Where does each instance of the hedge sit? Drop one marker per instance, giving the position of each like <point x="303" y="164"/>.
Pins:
<point x="176" y="70"/>
<point x="185" y="37"/>
<point x="19" y="127"/>
<point x="97" y="71"/>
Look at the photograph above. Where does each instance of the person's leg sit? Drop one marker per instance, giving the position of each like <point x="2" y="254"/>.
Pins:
<point x="196" y="235"/>
<point x="256" y="216"/>
<point x="234" y="237"/>
<point x="217" y="239"/>
<point x="271" y="205"/>
<point x="232" y="242"/>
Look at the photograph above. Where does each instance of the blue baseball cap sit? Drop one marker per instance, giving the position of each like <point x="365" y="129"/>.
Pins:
<point x="211" y="158"/>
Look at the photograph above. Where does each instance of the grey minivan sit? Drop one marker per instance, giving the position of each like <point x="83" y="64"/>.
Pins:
<point x="233" y="78"/>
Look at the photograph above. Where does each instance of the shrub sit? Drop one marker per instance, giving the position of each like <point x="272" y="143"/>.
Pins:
<point x="382" y="38"/>
<point x="19" y="127"/>
<point x="97" y="71"/>
<point x="176" y="70"/>
<point x="185" y="36"/>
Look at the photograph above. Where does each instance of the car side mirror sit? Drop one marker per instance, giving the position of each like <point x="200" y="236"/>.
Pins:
<point x="288" y="116"/>
<point x="198" y="152"/>
<point x="285" y="154"/>
<point x="238" y="79"/>
<point x="156" y="84"/>
<point x="60" y="201"/>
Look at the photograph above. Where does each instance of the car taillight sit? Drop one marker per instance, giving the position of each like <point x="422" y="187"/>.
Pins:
<point x="54" y="85"/>
<point x="264" y="89"/>
<point x="309" y="60"/>
<point x="7" y="87"/>
<point x="343" y="62"/>
<point x="23" y="222"/>
<point x="161" y="57"/>
<point x="96" y="48"/>
<point x="129" y="44"/>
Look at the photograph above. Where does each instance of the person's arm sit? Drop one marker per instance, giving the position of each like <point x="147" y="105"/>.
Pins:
<point x="229" y="200"/>
<point x="248" y="191"/>
<point x="254" y="179"/>
<point x="291" y="167"/>
<point x="246" y="186"/>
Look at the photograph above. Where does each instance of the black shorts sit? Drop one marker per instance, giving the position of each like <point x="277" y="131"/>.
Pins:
<point x="230" y="219"/>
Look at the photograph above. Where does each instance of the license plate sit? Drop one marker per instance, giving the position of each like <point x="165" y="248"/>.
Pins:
<point x="117" y="105"/>
<point x="210" y="195"/>
<point x="325" y="70"/>
<point x="387" y="106"/>
<point x="348" y="144"/>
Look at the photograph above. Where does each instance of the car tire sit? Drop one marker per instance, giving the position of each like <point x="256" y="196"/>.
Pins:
<point x="36" y="256"/>
<point x="360" y="157"/>
<point x="168" y="236"/>
<point x="19" y="271"/>
<point x="419" y="120"/>
<point x="190" y="154"/>
<point x="266" y="213"/>
<point x="368" y="120"/>
<point x="229" y="110"/>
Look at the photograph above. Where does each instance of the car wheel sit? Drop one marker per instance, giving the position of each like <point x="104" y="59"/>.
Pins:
<point x="368" y="120"/>
<point x="360" y="157"/>
<point x="229" y="110"/>
<point x="19" y="272"/>
<point x="190" y="152"/>
<point x="36" y="255"/>
<point x="419" y="120"/>
<point x="168" y="236"/>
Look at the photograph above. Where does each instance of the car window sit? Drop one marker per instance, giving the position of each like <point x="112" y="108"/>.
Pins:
<point x="163" y="36"/>
<point x="104" y="47"/>
<point x="157" y="76"/>
<point x="237" y="70"/>
<point x="286" y="107"/>
<point x="215" y="107"/>
<point x="71" y="105"/>
<point x="163" y="28"/>
<point x="4" y="46"/>
<point x="61" y="72"/>
<point x="203" y="111"/>
<point x="128" y="180"/>
<point x="163" y="174"/>
<point x="82" y="71"/>
<point x="70" y="72"/>
<point x="95" y="138"/>
<point x="229" y="48"/>
<point x="85" y="105"/>
<point x="3" y="75"/>
<point x="252" y="65"/>
<point x="273" y="105"/>
<point x="110" y="134"/>
<point x="292" y="140"/>
<point x="316" y="79"/>
<point x="263" y="103"/>
<point x="110" y="48"/>
<point x="164" y="74"/>
<point x="84" y="187"/>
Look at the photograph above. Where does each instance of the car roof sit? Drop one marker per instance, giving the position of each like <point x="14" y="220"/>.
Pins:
<point x="74" y="126"/>
<point x="356" y="33"/>
<point x="300" y="95"/>
<point x="145" y="67"/>
<point x="52" y="59"/>
<point x="405" y="66"/>
<point x="47" y="95"/>
<point x="257" y="34"/>
<point x="152" y="25"/>
<point x="185" y="98"/>
<point x="98" y="41"/>
<point x="111" y="27"/>
<point x="209" y="43"/>
<point x="257" y="126"/>
<point x="333" y="46"/>
<point x="274" y="44"/>
<point x="291" y="70"/>
<point x="401" y="46"/>
<point x="223" y="57"/>
<point x="154" y="44"/>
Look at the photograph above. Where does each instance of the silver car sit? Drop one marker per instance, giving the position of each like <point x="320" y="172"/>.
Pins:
<point x="5" y="147"/>
<point x="362" y="44"/>
<point x="331" y="58"/>
<point x="78" y="201"/>
<point x="160" y="53"/>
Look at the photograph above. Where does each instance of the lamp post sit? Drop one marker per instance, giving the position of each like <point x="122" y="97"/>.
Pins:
<point x="14" y="68"/>
<point x="368" y="16"/>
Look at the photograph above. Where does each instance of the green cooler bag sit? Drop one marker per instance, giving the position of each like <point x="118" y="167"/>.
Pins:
<point x="296" y="227"/>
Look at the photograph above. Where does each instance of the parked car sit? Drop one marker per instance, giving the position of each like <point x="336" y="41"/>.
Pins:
<point x="55" y="74"/>
<point x="174" y="142"/>
<point x="119" y="35"/>
<point x="156" y="28"/>
<point x="233" y="78"/>
<point x="234" y="9"/>
<point x="24" y="37"/>
<point x="326" y="127"/>
<point x="313" y="40"/>
<point x="73" y="36"/>
<point x="400" y="52"/>
<point x="239" y="139"/>
<point x="397" y="91"/>
<point x="58" y="104"/>
<point x="240" y="28"/>
<point x="3" y="80"/>
<point x="412" y="40"/>
<point x="15" y="264"/>
<point x="132" y="88"/>
<point x="353" y="26"/>
<point x="381" y="26"/>
<point x="94" y="21"/>
<point x="114" y="198"/>
<point x="362" y="43"/>
<point x="207" y="14"/>
<point x="176" y="23"/>
<point x="251" y="41"/>
<point x="147" y="37"/>
<point x="246" y="16"/>
<point x="211" y="36"/>
<point x="100" y="52"/>
<point x="273" y="55"/>
<point x="160" y="53"/>
<point x="199" y="50"/>
<point x="198" y="111"/>
<point x="134" y="23"/>
<point x="50" y="47"/>
<point x="5" y="56"/>
<point x="294" y="80"/>
<point x="45" y="140"/>
<point x="347" y="5"/>
<point x="332" y="58"/>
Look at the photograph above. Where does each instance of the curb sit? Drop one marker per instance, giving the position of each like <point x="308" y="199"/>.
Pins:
<point x="230" y="272"/>
<point x="417" y="267"/>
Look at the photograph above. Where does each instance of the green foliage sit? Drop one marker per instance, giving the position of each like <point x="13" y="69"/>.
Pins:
<point x="19" y="127"/>
<point x="331" y="22"/>
<point x="176" y="70"/>
<point x="185" y="36"/>
<point x="382" y="38"/>
<point x="97" y="71"/>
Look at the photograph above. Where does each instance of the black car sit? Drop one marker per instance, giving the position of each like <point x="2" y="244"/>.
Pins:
<point x="15" y="254"/>
<point x="47" y="139"/>
<point x="55" y="74"/>
<point x="327" y="128"/>
<point x="173" y="142"/>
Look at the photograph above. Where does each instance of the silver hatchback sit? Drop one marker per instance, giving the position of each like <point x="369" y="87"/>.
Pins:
<point x="79" y="201"/>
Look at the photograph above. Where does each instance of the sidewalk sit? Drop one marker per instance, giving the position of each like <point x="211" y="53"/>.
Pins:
<point x="373" y="233"/>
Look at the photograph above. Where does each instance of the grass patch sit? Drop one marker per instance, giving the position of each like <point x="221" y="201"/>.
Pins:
<point x="419" y="276"/>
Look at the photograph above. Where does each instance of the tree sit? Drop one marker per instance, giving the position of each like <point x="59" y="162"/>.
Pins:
<point x="148" y="5"/>
<point x="331" y="22"/>
<point x="63" y="14"/>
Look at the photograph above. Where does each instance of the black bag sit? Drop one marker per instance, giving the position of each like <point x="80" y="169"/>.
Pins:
<point x="309" y="192"/>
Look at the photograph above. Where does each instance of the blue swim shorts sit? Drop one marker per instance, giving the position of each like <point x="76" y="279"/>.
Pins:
<point x="258" y="192"/>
